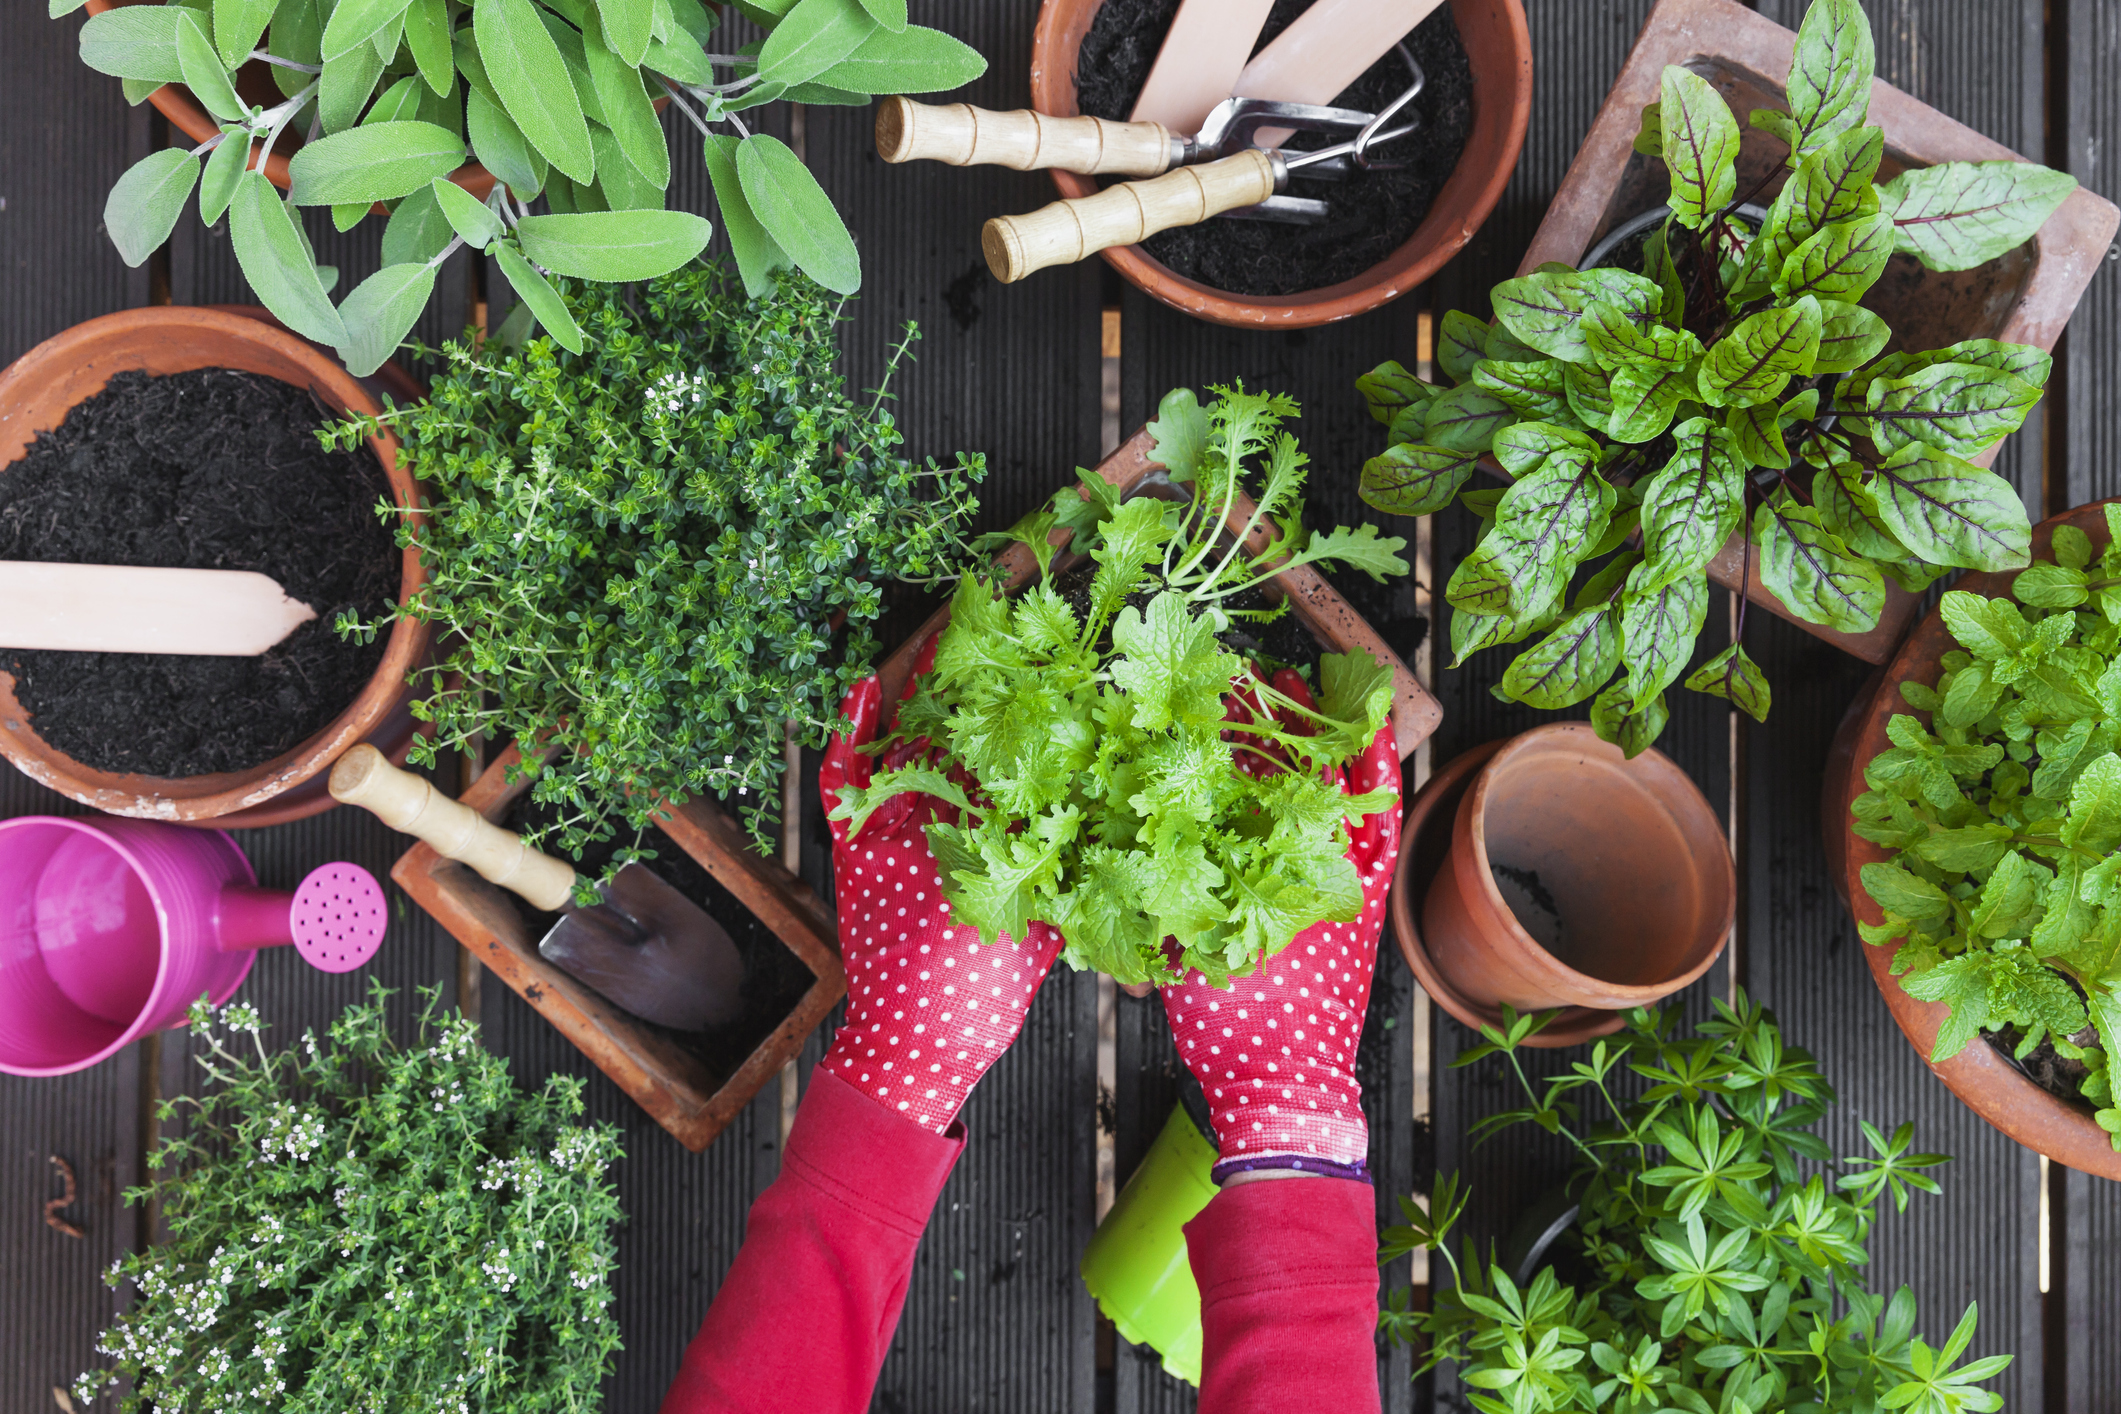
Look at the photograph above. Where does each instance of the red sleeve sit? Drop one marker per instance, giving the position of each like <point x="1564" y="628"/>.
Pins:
<point x="805" y="1316"/>
<point x="1288" y="1297"/>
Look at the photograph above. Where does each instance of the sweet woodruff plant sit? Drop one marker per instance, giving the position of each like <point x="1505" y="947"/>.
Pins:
<point x="556" y="99"/>
<point x="1734" y="382"/>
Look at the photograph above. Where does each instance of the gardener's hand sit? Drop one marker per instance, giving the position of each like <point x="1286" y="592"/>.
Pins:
<point x="929" y="1007"/>
<point x="1276" y="1052"/>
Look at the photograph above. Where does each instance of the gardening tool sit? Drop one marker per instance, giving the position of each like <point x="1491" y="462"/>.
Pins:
<point x="110" y="929"/>
<point x="135" y="609"/>
<point x="646" y="946"/>
<point x="1204" y="52"/>
<point x="1326" y="48"/>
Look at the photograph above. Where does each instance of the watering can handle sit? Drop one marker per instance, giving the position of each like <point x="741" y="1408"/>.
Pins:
<point x="410" y="803"/>
<point x="965" y="136"/>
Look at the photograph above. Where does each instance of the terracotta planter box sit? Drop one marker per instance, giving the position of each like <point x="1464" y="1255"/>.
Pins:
<point x="1318" y="607"/>
<point x="1499" y="45"/>
<point x="36" y="393"/>
<point x="675" y="1087"/>
<point x="2023" y="297"/>
<point x="1979" y="1075"/>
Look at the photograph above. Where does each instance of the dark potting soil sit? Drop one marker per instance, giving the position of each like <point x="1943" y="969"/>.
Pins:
<point x="1368" y="216"/>
<point x="774" y="977"/>
<point x="2044" y="1065"/>
<point x="211" y="469"/>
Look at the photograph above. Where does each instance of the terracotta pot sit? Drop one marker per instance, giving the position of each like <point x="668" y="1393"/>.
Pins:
<point x="36" y="392"/>
<point x="1499" y="45"/>
<point x="1979" y="1075"/>
<point x="1621" y="866"/>
<point x="174" y="102"/>
<point x="2024" y="296"/>
<point x="1318" y="606"/>
<point x="671" y="1084"/>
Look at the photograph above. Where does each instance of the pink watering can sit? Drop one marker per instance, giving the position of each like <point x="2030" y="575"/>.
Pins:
<point x="110" y="929"/>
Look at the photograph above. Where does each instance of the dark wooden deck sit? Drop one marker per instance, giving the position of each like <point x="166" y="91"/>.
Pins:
<point x="1040" y="377"/>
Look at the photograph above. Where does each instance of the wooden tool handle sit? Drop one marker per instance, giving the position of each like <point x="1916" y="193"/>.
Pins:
<point x="1067" y="231"/>
<point x="409" y="803"/>
<point x="965" y="136"/>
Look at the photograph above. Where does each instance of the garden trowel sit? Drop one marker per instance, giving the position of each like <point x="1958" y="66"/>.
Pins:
<point x="646" y="946"/>
<point x="135" y="609"/>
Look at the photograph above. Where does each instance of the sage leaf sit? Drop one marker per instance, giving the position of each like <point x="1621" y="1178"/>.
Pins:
<point x="144" y="205"/>
<point x="276" y="260"/>
<point x="621" y="186"/>
<point x="225" y="166"/>
<point x="628" y="110"/>
<point x="418" y="230"/>
<point x="1691" y="505"/>
<point x="530" y="79"/>
<point x="1839" y="262"/>
<point x="354" y="22"/>
<point x="378" y="162"/>
<point x="757" y="255"/>
<point x="468" y="216"/>
<point x="614" y="246"/>
<point x="1737" y="679"/>
<point x="238" y="24"/>
<point x="380" y="312"/>
<point x="815" y="36"/>
<point x="1806" y="566"/>
<point x="399" y="103"/>
<point x="1465" y="419"/>
<point x="1658" y="626"/>
<point x="918" y="60"/>
<point x="1545" y="311"/>
<point x="427" y="36"/>
<point x="59" y="9"/>
<point x="891" y="14"/>
<point x="137" y="42"/>
<point x="1830" y="74"/>
<point x="1849" y="337"/>
<point x="1956" y="407"/>
<point x="534" y="291"/>
<point x="1570" y="664"/>
<point x="681" y="57"/>
<point x="205" y="77"/>
<point x="795" y="211"/>
<point x="345" y="85"/>
<point x="500" y="145"/>
<point x="1700" y="147"/>
<point x="625" y="26"/>
<point x="1415" y="479"/>
<point x="1951" y="513"/>
<point x="1957" y="215"/>
<point x="1756" y="360"/>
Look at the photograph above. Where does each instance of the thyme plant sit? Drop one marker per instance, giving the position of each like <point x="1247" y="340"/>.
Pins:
<point x="1720" y="1250"/>
<point x="1736" y="383"/>
<point x="554" y="98"/>
<point x="355" y="1225"/>
<point x="650" y="560"/>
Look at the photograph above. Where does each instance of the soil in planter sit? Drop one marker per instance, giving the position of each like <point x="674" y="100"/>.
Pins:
<point x="210" y="469"/>
<point x="1368" y="216"/>
<point x="2045" y="1066"/>
<point x="774" y="977"/>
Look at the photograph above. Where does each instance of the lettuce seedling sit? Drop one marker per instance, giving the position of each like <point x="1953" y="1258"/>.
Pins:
<point x="1733" y="384"/>
<point x="2004" y="815"/>
<point x="1103" y="797"/>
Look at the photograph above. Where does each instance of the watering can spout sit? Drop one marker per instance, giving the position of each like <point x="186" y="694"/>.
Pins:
<point x="335" y="919"/>
<point x="247" y="918"/>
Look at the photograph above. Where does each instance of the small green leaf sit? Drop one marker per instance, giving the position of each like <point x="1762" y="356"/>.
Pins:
<point x="137" y="42"/>
<point x="618" y="182"/>
<point x="274" y="254"/>
<point x="205" y="77"/>
<point x="1898" y="891"/>
<point x="1737" y="679"/>
<point x="1811" y="571"/>
<point x="1546" y="311"/>
<point x="1461" y="342"/>
<point x="1415" y="479"/>
<point x="468" y="216"/>
<point x="1645" y="400"/>
<point x="500" y="145"/>
<point x="917" y="60"/>
<point x="542" y="299"/>
<point x="144" y="205"/>
<point x="614" y="245"/>
<point x="1957" y="215"/>
<point x="891" y="14"/>
<point x="237" y="27"/>
<point x="1955" y="407"/>
<point x="1951" y="513"/>
<point x="1756" y="360"/>
<point x="427" y="35"/>
<point x="1465" y="419"/>
<point x="757" y="256"/>
<point x="625" y="26"/>
<point x="380" y="312"/>
<point x="530" y="79"/>
<point x="399" y="103"/>
<point x="795" y="211"/>
<point x="815" y="36"/>
<point x="345" y="86"/>
<point x="354" y="22"/>
<point x="1634" y="732"/>
<point x="378" y="162"/>
<point x="1692" y="504"/>
<point x="1849" y="337"/>
<point x="418" y="231"/>
<point x="225" y="166"/>
<point x="1830" y="75"/>
<point x="1658" y="626"/>
<point x="627" y="109"/>
<point x="1569" y="664"/>
<point x="1700" y="147"/>
<point x="1839" y="262"/>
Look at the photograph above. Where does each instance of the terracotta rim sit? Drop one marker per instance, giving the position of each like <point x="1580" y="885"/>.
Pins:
<point x="1499" y="43"/>
<point x="85" y="356"/>
<point x="1434" y="808"/>
<point x="1986" y="1082"/>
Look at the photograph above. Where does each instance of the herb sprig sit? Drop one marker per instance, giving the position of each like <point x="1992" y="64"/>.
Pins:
<point x="1097" y="728"/>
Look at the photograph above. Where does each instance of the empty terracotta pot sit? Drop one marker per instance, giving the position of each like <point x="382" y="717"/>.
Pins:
<point x="1498" y="43"/>
<point x="1578" y="878"/>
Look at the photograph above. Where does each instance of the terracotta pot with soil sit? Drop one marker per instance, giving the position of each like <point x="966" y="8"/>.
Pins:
<point x="1982" y="1075"/>
<point x="691" y="1083"/>
<point x="2024" y="296"/>
<point x="1550" y="871"/>
<point x="1386" y="233"/>
<point x="183" y="438"/>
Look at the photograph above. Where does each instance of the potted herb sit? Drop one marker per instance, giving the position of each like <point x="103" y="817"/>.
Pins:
<point x="1734" y="383"/>
<point x="1387" y="232"/>
<point x="1711" y="1266"/>
<point x="1091" y="713"/>
<point x="356" y="1225"/>
<point x="186" y="438"/>
<point x="556" y="100"/>
<point x="1983" y="850"/>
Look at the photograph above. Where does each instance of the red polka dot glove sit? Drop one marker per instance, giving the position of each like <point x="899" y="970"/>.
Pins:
<point x="1276" y="1052"/>
<point x="929" y="1008"/>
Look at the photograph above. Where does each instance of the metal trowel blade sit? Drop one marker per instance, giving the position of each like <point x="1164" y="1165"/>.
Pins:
<point x="652" y="951"/>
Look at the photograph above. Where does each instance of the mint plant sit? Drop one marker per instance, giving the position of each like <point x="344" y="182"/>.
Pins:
<point x="1721" y="1250"/>
<point x="555" y="99"/>
<point x="1735" y="383"/>
<point x="2004" y="818"/>
<point x="355" y="1225"/>
<point x="639" y="556"/>
<point x="1096" y="726"/>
